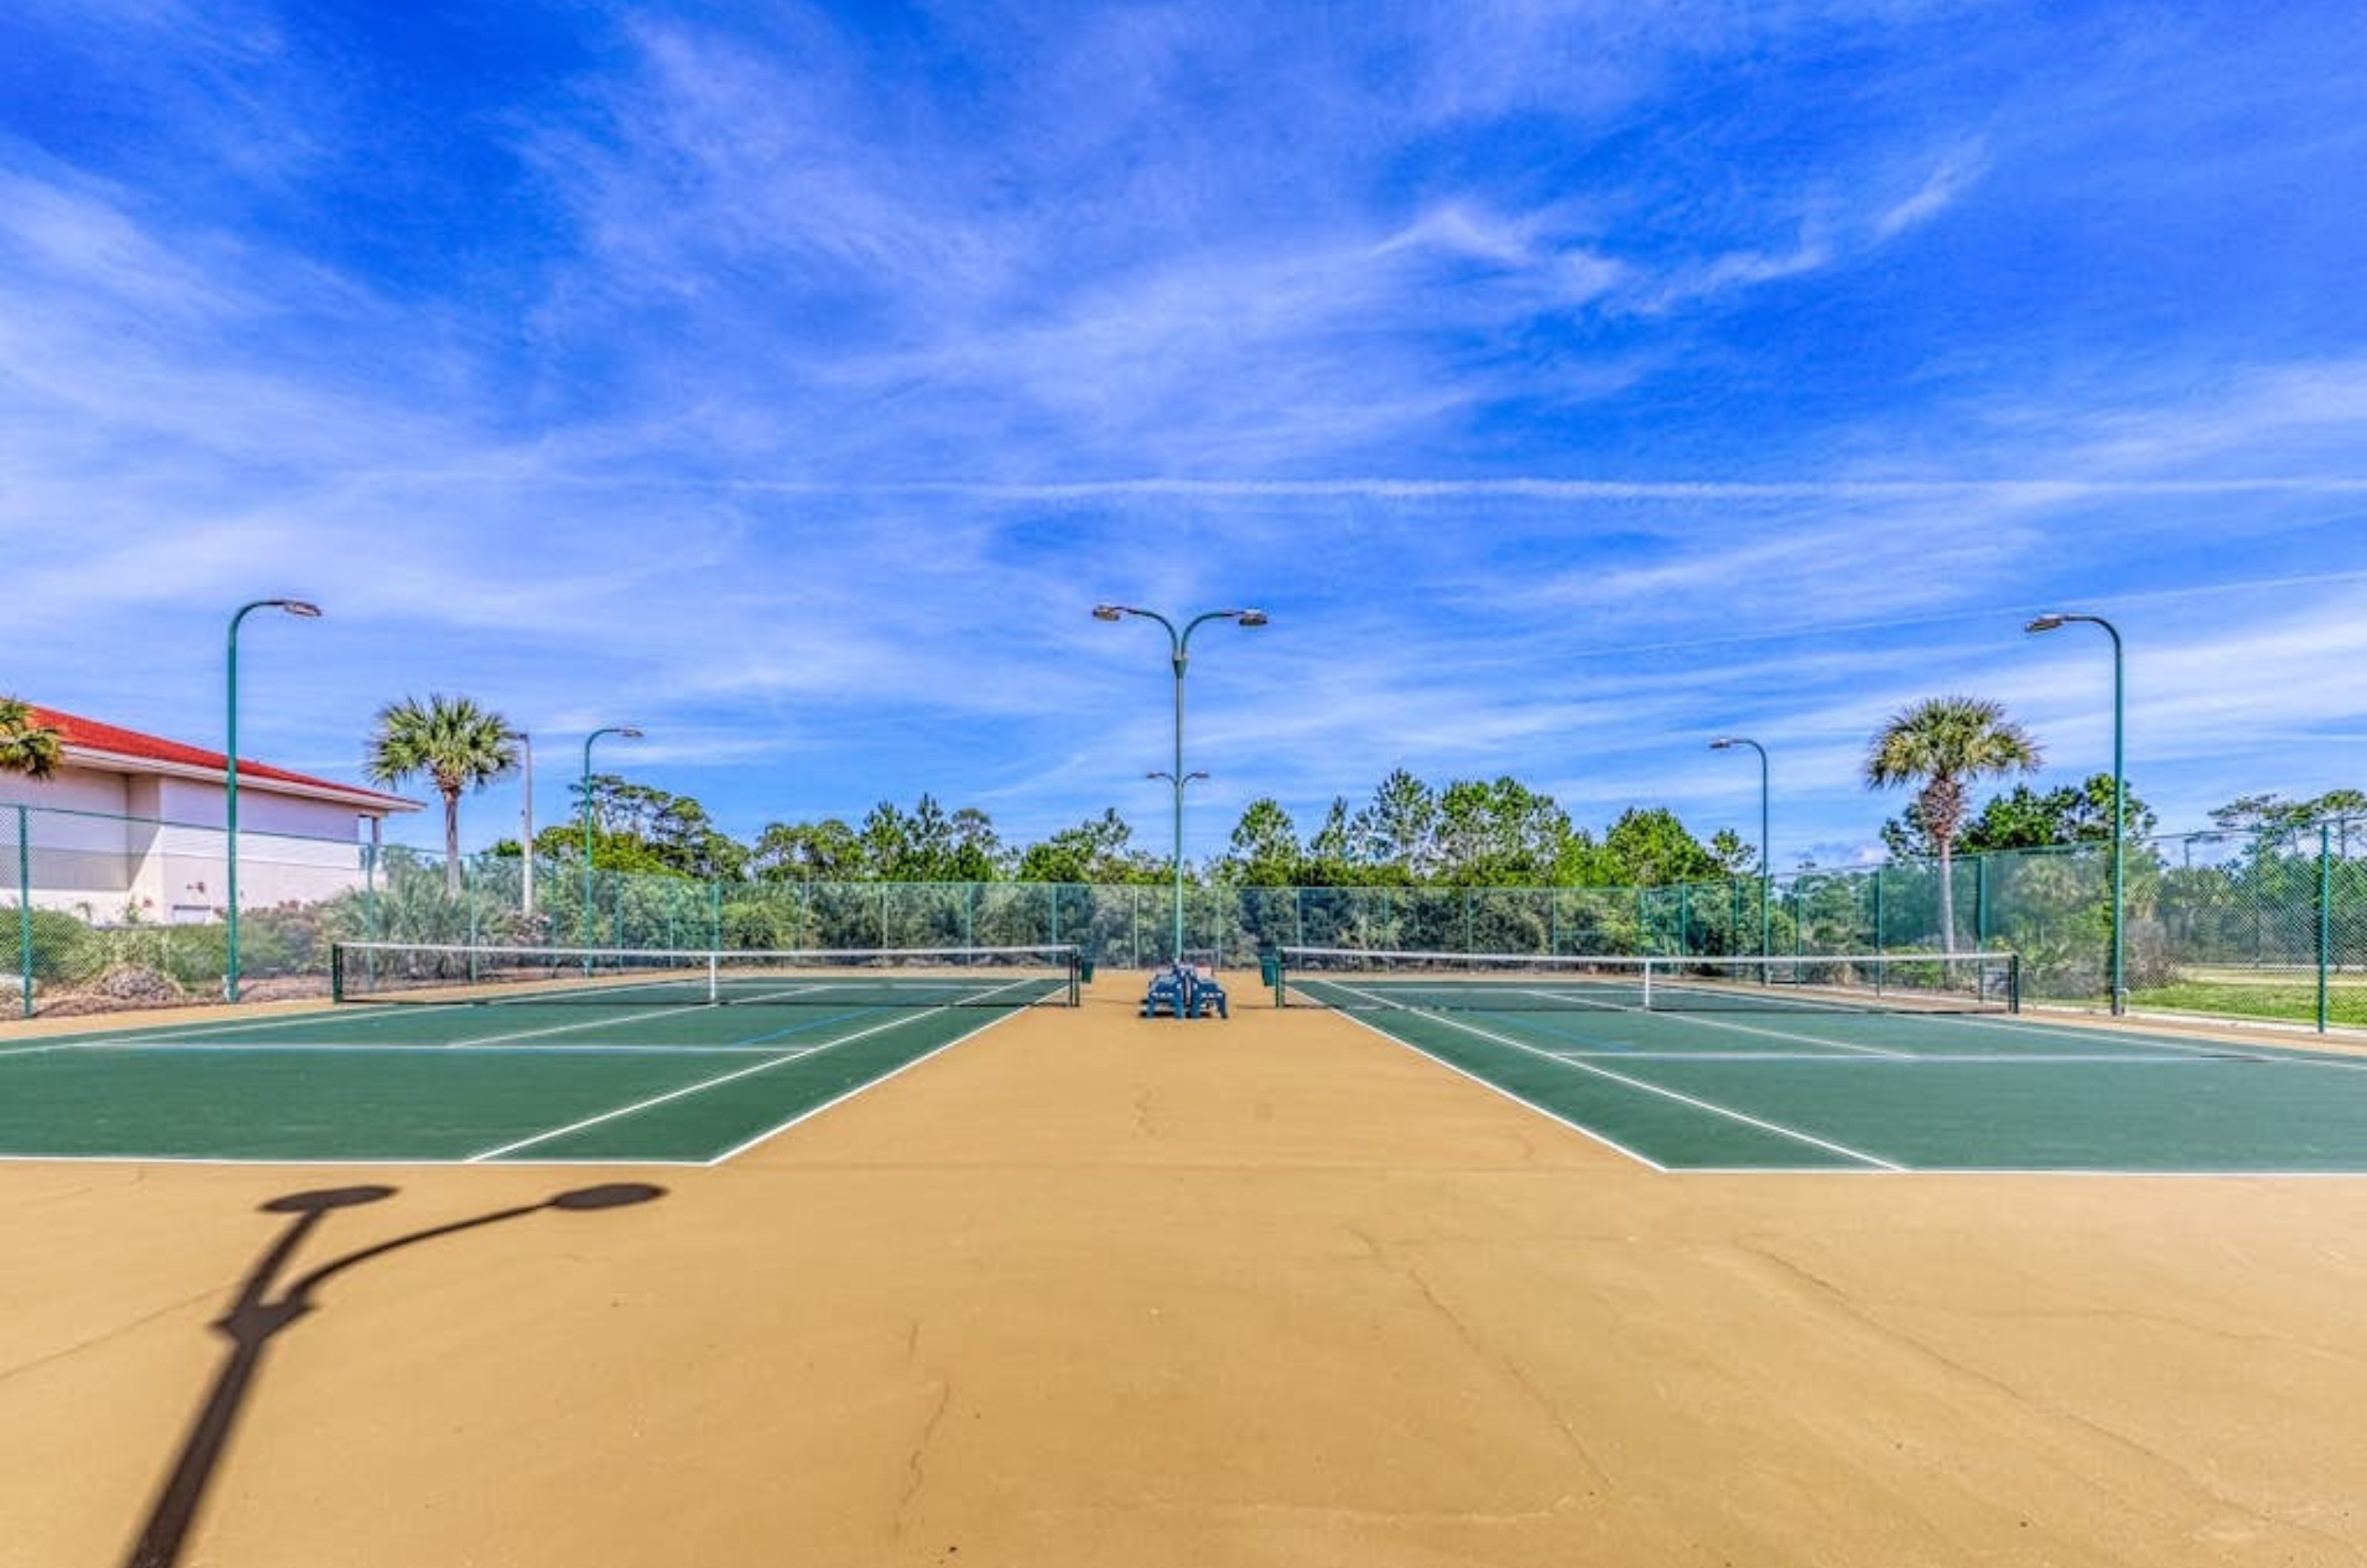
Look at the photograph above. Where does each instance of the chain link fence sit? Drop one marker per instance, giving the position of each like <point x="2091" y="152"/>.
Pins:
<point x="105" y="912"/>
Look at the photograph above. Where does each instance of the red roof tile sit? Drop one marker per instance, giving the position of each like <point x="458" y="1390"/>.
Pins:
<point x="90" y="735"/>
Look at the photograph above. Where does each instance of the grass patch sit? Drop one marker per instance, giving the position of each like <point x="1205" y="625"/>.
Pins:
<point x="2293" y="1003"/>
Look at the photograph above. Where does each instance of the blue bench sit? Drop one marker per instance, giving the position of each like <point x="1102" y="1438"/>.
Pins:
<point x="1181" y="991"/>
<point x="1202" y="994"/>
<point x="1170" y="993"/>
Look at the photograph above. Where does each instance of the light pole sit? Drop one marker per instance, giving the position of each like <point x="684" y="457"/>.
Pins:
<point x="629" y="733"/>
<point x="230" y="775"/>
<point x="1180" y="645"/>
<point x="526" y="823"/>
<point x="2047" y="623"/>
<point x="1766" y="865"/>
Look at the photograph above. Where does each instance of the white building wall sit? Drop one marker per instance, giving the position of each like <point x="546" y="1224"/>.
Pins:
<point x="111" y="847"/>
<point x="70" y="788"/>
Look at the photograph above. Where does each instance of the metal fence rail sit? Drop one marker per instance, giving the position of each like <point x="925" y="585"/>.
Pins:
<point x="2229" y="924"/>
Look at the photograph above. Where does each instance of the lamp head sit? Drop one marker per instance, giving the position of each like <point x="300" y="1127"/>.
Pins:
<point x="303" y="607"/>
<point x="2047" y="622"/>
<point x="628" y="732"/>
<point x="1252" y="617"/>
<point x="1108" y="611"/>
<point x="1723" y="743"/>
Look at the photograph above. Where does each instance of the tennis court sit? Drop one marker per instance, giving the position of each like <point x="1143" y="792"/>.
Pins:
<point x="1864" y="1063"/>
<point x="473" y="1055"/>
<point x="1098" y="1288"/>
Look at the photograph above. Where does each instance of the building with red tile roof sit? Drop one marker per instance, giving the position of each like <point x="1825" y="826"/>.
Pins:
<point x="130" y="826"/>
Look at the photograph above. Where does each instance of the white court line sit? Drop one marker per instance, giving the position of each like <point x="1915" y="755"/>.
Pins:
<point x="2267" y="1050"/>
<point x="1696" y="1103"/>
<point x="1581" y="1128"/>
<point x="1779" y="1033"/>
<point x="1564" y="999"/>
<point x="639" y="1105"/>
<point x="1676" y="1013"/>
<point x="738" y="1149"/>
<point x="2040" y="1172"/>
<point x="414" y="1048"/>
<point x="339" y="1164"/>
<point x="605" y="1021"/>
<point x="1825" y="1058"/>
<point x="168" y="1034"/>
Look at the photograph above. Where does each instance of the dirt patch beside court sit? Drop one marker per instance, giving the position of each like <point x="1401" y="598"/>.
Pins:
<point x="1092" y="1289"/>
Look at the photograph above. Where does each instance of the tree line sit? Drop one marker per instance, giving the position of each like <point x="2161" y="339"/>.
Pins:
<point x="1468" y="832"/>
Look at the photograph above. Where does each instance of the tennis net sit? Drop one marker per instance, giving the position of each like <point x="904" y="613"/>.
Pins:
<point x="917" y="978"/>
<point x="1352" y="980"/>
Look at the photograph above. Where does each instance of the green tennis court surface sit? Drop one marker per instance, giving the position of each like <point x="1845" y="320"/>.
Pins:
<point x="525" y="1080"/>
<point x="1818" y="1091"/>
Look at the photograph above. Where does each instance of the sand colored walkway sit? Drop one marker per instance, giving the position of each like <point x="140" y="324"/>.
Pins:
<point x="1087" y="1290"/>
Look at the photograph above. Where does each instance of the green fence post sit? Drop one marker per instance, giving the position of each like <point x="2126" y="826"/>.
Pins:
<point x="25" y="910"/>
<point x="1877" y="912"/>
<point x="1980" y="900"/>
<point x="2324" y="915"/>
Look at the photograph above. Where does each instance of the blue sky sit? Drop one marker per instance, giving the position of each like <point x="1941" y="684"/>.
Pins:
<point x="1572" y="383"/>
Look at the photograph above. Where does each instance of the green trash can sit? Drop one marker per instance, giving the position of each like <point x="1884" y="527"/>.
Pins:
<point x="1270" y="969"/>
<point x="1084" y="971"/>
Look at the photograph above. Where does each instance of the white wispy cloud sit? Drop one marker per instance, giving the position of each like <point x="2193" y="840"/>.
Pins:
<point x="1566" y="391"/>
<point x="1948" y="180"/>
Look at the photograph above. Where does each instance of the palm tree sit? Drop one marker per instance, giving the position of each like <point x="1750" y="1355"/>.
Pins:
<point x="1942" y="744"/>
<point x="457" y="744"/>
<point x="32" y="750"/>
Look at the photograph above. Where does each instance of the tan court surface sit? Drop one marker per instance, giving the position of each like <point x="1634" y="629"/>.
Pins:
<point x="1090" y="1289"/>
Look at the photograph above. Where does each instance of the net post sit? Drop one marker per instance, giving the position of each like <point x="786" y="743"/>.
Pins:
<point x="336" y="971"/>
<point x="1647" y="967"/>
<point x="1076" y="977"/>
<point x="1877" y="912"/>
<point x="714" y="977"/>
<point x="2013" y="982"/>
